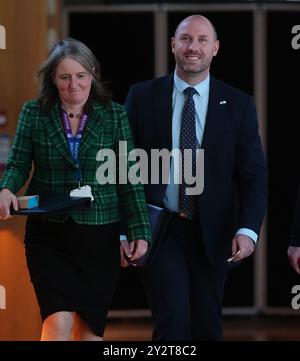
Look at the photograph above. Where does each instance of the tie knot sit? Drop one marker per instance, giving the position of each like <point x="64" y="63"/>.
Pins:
<point x="190" y="91"/>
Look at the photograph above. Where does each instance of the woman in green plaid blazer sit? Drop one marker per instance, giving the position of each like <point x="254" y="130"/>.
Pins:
<point x="74" y="259"/>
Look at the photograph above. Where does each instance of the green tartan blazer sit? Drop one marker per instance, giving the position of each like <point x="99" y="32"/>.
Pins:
<point x="40" y="140"/>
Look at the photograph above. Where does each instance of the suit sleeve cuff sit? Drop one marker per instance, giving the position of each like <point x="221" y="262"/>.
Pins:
<point x="248" y="232"/>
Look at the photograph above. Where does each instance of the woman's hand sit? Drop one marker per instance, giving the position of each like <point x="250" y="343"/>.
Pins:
<point x="132" y="251"/>
<point x="7" y="198"/>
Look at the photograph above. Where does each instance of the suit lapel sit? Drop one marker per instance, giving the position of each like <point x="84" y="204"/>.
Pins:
<point x="55" y="132"/>
<point x="163" y="111"/>
<point x="216" y="115"/>
<point x="91" y="131"/>
<point x="215" y="119"/>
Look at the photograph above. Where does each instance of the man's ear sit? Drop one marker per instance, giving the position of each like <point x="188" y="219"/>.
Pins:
<point x="172" y="44"/>
<point x="216" y="47"/>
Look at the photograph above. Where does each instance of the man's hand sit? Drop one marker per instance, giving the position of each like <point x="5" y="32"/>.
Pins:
<point x="244" y="244"/>
<point x="294" y="257"/>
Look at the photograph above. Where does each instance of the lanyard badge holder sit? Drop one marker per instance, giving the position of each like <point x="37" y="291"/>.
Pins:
<point x="74" y="146"/>
<point x="81" y="191"/>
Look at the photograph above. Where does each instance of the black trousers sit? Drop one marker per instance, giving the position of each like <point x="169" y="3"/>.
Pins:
<point x="184" y="291"/>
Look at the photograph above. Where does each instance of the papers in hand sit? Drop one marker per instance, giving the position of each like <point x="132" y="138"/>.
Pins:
<point x="230" y="259"/>
<point x="28" y="202"/>
<point x="84" y="191"/>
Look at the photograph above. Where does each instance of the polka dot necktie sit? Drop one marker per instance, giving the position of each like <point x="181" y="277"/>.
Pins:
<point x="188" y="140"/>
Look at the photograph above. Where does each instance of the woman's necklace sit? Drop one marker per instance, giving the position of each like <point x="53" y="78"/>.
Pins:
<point x="72" y="115"/>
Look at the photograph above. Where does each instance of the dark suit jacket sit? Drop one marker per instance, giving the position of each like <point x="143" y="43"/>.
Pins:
<point x="234" y="193"/>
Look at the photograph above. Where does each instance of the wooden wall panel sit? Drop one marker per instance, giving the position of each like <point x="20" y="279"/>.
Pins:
<point x="26" y="23"/>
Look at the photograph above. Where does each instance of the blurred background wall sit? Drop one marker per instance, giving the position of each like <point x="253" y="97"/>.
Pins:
<point x="131" y="41"/>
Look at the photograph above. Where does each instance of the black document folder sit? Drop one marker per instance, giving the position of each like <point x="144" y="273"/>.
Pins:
<point x="159" y="219"/>
<point x="55" y="204"/>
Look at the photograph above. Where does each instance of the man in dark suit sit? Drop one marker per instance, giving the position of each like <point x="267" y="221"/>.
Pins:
<point x="185" y="282"/>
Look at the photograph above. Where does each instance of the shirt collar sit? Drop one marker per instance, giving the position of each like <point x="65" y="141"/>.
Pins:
<point x="201" y="87"/>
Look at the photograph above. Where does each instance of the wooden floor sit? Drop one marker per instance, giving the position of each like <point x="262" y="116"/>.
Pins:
<point x="237" y="328"/>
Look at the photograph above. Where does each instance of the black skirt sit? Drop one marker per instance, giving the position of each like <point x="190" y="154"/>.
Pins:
<point x="73" y="267"/>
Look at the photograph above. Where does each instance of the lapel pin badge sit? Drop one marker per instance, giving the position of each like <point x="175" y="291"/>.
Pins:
<point x="222" y="102"/>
